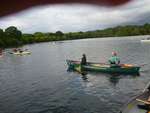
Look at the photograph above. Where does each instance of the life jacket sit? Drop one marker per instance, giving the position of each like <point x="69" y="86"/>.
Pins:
<point x="114" y="60"/>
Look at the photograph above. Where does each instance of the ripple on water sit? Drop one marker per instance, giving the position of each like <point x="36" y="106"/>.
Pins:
<point x="40" y="83"/>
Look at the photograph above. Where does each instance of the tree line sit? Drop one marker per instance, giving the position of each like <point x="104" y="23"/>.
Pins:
<point x="11" y="36"/>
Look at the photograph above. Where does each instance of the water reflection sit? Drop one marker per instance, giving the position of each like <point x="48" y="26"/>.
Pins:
<point x="42" y="81"/>
<point x="112" y="78"/>
<point x="84" y="77"/>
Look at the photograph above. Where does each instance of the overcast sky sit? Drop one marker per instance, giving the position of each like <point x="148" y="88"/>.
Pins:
<point x="78" y="17"/>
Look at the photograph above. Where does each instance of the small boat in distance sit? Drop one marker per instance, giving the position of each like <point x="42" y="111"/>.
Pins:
<point x="20" y="52"/>
<point x="146" y="40"/>
<point x="104" y="68"/>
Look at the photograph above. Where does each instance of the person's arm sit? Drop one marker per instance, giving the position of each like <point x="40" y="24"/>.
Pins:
<point x="109" y="60"/>
<point x="117" y="60"/>
<point x="13" y="6"/>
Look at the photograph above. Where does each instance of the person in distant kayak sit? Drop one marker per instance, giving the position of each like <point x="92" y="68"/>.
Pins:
<point x="83" y="60"/>
<point x="15" y="50"/>
<point x="114" y="60"/>
<point x="20" y="50"/>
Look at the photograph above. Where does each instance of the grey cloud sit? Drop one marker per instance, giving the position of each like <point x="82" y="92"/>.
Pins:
<point x="78" y="17"/>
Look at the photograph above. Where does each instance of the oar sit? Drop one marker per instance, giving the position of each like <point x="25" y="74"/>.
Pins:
<point x="147" y="85"/>
<point x="140" y="65"/>
<point x="143" y="65"/>
<point x="145" y="102"/>
<point x="78" y="69"/>
<point x="95" y="62"/>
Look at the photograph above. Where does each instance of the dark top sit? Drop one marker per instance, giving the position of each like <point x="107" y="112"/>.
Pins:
<point x="83" y="60"/>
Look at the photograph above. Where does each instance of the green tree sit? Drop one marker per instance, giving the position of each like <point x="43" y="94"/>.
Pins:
<point x="38" y="34"/>
<point x="1" y="33"/>
<point x="59" y="33"/>
<point x="13" y="32"/>
<point x="1" y="38"/>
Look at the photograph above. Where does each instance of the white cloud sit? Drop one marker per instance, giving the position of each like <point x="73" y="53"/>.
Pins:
<point x="76" y="17"/>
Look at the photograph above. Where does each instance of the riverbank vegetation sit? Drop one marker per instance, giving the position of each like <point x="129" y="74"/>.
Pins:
<point x="11" y="36"/>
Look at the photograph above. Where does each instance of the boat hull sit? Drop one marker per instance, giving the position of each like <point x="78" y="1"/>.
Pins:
<point x="105" y="68"/>
<point x="135" y="106"/>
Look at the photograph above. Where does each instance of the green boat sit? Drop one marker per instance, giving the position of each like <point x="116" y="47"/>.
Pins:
<point x="139" y="104"/>
<point x="102" y="67"/>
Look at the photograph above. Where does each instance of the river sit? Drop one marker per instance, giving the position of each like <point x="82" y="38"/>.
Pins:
<point x="40" y="82"/>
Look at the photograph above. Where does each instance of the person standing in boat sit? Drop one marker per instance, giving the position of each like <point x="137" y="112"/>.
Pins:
<point x="83" y="60"/>
<point x="114" y="60"/>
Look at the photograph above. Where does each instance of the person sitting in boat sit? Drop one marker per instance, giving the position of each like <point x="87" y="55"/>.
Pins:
<point x="20" y="50"/>
<point x="26" y="50"/>
<point x="114" y="60"/>
<point x="15" y="50"/>
<point x="83" y="60"/>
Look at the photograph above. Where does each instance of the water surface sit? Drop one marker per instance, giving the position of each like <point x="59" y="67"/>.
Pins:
<point x="40" y="83"/>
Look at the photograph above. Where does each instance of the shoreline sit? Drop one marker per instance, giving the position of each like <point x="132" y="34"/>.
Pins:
<point x="133" y="37"/>
<point x="12" y="37"/>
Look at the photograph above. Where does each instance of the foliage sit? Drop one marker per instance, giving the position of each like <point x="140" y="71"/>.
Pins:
<point x="11" y="36"/>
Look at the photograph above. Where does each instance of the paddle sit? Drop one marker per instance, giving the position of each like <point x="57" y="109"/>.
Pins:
<point x="143" y="101"/>
<point x="79" y="70"/>
<point x="143" y="65"/>
<point x="148" y="100"/>
<point x="146" y="87"/>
